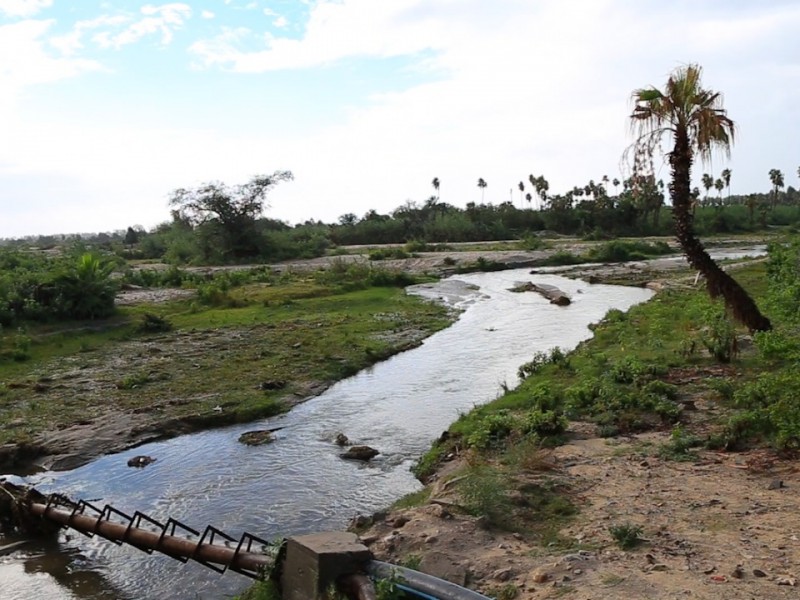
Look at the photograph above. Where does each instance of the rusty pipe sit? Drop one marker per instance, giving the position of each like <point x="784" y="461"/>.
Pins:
<point x="234" y="558"/>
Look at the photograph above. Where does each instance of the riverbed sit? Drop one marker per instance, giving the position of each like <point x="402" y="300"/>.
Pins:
<point x="299" y="483"/>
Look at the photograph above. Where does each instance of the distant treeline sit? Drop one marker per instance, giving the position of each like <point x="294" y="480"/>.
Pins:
<point x="636" y="211"/>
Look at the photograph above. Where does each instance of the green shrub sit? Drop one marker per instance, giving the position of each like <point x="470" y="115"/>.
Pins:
<point x="490" y="430"/>
<point x="626" y="535"/>
<point x="543" y="423"/>
<point x="719" y="336"/>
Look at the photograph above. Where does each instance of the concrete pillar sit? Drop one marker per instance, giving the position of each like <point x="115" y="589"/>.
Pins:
<point x="314" y="562"/>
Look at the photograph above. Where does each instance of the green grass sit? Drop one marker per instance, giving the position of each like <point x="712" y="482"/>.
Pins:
<point x="301" y="333"/>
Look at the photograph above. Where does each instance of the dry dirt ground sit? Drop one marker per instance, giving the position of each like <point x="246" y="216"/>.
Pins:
<point x="722" y="527"/>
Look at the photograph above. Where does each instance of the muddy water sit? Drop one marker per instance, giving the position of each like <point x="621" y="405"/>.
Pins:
<point x="298" y="483"/>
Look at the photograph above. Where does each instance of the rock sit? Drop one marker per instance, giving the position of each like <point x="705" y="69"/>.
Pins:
<point x="341" y="440"/>
<point x="738" y="572"/>
<point x="444" y="567"/>
<point x="759" y="573"/>
<point x="400" y="521"/>
<point x="140" y="461"/>
<point x="786" y="580"/>
<point x="363" y="453"/>
<point x="256" y="438"/>
<point x="503" y="574"/>
<point x="437" y="510"/>
<point x="659" y="567"/>
<point x="360" y="522"/>
<point x="775" y="484"/>
<point x="369" y="540"/>
<point x="272" y="384"/>
<point x="540" y="576"/>
<point x="552" y="293"/>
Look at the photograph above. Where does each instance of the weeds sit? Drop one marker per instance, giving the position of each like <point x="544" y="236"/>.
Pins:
<point x="626" y="535"/>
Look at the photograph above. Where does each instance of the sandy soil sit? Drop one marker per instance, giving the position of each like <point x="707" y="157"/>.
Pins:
<point x="725" y="526"/>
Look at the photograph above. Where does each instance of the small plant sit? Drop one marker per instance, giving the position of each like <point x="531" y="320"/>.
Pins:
<point x="133" y="381"/>
<point x="679" y="447"/>
<point x="412" y="561"/>
<point x="719" y="336"/>
<point x="626" y="535"/>
<point x="507" y="592"/>
<point x="154" y="324"/>
<point x="484" y="493"/>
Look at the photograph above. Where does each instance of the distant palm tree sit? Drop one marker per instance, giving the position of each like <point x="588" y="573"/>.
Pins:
<point x="521" y="192"/>
<point x="696" y="122"/>
<point x="435" y="184"/>
<point x="776" y="178"/>
<point x="726" y="177"/>
<point x="708" y="183"/>
<point x="615" y="183"/>
<point x="719" y="185"/>
<point x="482" y="185"/>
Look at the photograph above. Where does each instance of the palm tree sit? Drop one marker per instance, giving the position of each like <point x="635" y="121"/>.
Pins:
<point x="708" y="183"/>
<point x="615" y="183"/>
<point x="521" y="192"/>
<point x="435" y="184"/>
<point x="697" y="124"/>
<point x="726" y="177"/>
<point x="482" y="184"/>
<point x="719" y="185"/>
<point x="776" y="178"/>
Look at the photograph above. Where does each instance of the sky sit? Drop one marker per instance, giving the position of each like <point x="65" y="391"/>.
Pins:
<point x="108" y="106"/>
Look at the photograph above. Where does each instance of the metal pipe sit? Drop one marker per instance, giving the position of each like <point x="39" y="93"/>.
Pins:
<point x="234" y="558"/>
<point x="426" y="585"/>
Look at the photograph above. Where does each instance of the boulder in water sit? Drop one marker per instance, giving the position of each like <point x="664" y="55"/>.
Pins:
<point x="140" y="461"/>
<point x="363" y="453"/>
<point x="256" y="438"/>
<point x="341" y="440"/>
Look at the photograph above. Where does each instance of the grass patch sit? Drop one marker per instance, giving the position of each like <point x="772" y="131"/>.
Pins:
<point x="208" y="363"/>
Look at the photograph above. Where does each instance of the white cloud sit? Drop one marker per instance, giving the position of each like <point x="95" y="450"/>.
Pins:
<point x="24" y="62"/>
<point x="70" y="43"/>
<point x="162" y="19"/>
<point x="280" y="22"/>
<point x="335" y="30"/>
<point x="23" y="8"/>
<point x="207" y="14"/>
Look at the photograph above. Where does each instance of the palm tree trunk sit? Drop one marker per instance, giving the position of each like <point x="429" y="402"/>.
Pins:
<point x="718" y="282"/>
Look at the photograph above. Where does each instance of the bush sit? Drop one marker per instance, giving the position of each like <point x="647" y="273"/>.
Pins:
<point x="719" y="336"/>
<point x="543" y="423"/>
<point x="490" y="430"/>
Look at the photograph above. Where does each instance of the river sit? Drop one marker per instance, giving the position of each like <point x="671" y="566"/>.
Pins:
<point x="298" y="484"/>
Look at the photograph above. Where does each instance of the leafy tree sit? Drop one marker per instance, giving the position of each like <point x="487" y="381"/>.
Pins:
<point x="695" y="120"/>
<point x="228" y="214"/>
<point x="131" y="237"/>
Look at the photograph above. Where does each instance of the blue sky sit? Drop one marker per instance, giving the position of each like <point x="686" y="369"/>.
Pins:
<point x="106" y="107"/>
